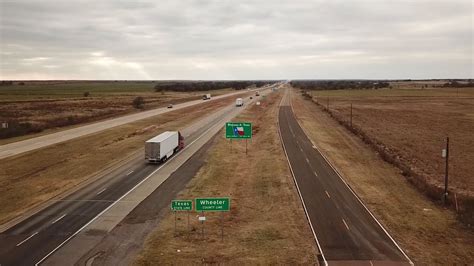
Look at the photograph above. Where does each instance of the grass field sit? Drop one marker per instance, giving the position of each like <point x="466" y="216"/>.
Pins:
<point x="29" y="179"/>
<point x="49" y="105"/>
<point x="428" y="233"/>
<point x="411" y="124"/>
<point x="258" y="229"/>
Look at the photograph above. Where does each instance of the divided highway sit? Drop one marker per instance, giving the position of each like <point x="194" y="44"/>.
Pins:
<point x="19" y="147"/>
<point x="34" y="239"/>
<point x="345" y="230"/>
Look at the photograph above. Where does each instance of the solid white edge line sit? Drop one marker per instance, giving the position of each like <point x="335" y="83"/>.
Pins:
<point x="26" y="239"/>
<point x="55" y="221"/>
<point x="299" y="192"/>
<point x="360" y="201"/>
<point x="344" y="221"/>
<point x="124" y="195"/>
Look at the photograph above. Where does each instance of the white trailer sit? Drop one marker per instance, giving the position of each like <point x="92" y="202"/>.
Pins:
<point x="239" y="102"/>
<point x="163" y="146"/>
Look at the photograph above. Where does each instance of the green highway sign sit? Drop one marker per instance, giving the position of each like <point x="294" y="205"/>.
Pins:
<point x="182" y="205"/>
<point x="213" y="204"/>
<point x="238" y="130"/>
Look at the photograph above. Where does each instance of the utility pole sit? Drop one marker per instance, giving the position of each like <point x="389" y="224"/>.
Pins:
<point x="351" y="114"/>
<point x="327" y="103"/>
<point x="446" y="155"/>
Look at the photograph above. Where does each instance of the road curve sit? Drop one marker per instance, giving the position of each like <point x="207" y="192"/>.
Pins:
<point x="345" y="231"/>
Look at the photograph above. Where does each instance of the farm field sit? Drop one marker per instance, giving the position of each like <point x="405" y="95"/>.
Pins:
<point x="38" y="106"/>
<point x="412" y="124"/>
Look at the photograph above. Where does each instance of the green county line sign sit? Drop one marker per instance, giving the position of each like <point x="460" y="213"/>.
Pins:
<point x="182" y="205"/>
<point x="238" y="130"/>
<point x="212" y="204"/>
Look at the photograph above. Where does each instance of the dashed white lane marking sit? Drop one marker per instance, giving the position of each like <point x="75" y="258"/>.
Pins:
<point x="26" y="239"/>
<point x="59" y="218"/>
<point x="130" y="172"/>
<point x="301" y="149"/>
<point x="345" y="224"/>
<point x="307" y="160"/>
<point x="371" y="264"/>
<point x="314" y="172"/>
<point x="101" y="191"/>
<point x="327" y="193"/>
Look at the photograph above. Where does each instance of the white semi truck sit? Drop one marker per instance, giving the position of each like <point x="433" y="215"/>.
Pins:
<point x="239" y="102"/>
<point x="163" y="146"/>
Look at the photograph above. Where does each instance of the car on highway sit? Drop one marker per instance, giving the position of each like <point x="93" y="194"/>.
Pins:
<point x="170" y="105"/>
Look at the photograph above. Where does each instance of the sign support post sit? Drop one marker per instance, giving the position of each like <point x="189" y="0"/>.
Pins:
<point x="222" y="226"/>
<point x="446" y="172"/>
<point x="180" y="205"/>
<point x="174" y="223"/>
<point x="202" y="225"/>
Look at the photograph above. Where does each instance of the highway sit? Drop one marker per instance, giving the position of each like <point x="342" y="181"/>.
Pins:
<point x="36" y="238"/>
<point x="19" y="147"/>
<point x="345" y="231"/>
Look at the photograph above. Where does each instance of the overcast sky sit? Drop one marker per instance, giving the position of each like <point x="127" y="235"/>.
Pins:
<point x="43" y="39"/>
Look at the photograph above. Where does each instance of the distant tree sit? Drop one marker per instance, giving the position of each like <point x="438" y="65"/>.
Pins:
<point x="21" y="83"/>
<point x="86" y="94"/>
<point x="138" y="102"/>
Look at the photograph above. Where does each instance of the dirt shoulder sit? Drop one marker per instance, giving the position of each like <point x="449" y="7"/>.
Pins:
<point x="32" y="178"/>
<point x="427" y="233"/>
<point x="266" y="224"/>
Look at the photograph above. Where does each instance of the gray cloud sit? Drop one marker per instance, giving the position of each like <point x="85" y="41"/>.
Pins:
<point x="44" y="39"/>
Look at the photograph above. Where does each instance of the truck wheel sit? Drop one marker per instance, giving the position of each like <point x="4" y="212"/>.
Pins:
<point x="164" y="159"/>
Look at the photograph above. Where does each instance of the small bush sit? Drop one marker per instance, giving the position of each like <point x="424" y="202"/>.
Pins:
<point x="138" y="102"/>
<point x="86" y="94"/>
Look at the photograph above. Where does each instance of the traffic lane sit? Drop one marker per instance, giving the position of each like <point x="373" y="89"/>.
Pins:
<point x="104" y="185"/>
<point x="347" y="230"/>
<point x="73" y="214"/>
<point x="356" y="219"/>
<point x="325" y="220"/>
<point x="27" y="249"/>
<point x="23" y="146"/>
<point x="145" y="217"/>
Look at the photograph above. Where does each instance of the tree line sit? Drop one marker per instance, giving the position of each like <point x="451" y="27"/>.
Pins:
<point x="339" y="84"/>
<point x="208" y="85"/>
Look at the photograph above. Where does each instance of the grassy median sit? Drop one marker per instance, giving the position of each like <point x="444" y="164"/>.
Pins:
<point x="266" y="224"/>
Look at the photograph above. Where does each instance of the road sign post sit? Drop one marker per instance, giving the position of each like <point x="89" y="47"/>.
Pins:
<point x="181" y="205"/>
<point x="238" y="130"/>
<point x="212" y="204"/>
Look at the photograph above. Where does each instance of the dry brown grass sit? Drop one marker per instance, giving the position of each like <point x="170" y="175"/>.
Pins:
<point x="52" y="112"/>
<point x="32" y="178"/>
<point x="429" y="234"/>
<point x="266" y="224"/>
<point x="409" y="128"/>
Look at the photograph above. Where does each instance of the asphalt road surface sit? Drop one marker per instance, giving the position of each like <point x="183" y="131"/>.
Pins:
<point x="61" y="136"/>
<point x="31" y="240"/>
<point x="344" y="229"/>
